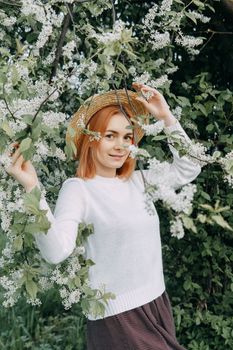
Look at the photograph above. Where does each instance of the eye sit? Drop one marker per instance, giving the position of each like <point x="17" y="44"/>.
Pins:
<point x="109" y="136"/>
<point x="129" y="138"/>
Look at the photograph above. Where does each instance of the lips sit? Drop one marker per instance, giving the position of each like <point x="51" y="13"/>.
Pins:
<point x="118" y="157"/>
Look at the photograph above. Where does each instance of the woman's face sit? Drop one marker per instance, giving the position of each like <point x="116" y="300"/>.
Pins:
<point x="113" y="146"/>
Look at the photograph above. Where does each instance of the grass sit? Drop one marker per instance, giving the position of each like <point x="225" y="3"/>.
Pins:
<point x="47" y="327"/>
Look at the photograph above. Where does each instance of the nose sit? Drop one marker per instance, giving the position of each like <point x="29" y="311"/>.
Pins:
<point x="119" y="143"/>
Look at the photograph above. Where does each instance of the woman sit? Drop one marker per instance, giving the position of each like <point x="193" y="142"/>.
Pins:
<point x="108" y="193"/>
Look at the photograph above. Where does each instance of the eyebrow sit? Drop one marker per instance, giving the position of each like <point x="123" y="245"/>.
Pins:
<point x="115" y="132"/>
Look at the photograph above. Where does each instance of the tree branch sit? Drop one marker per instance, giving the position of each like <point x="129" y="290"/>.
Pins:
<point x="10" y="3"/>
<point x="65" y="27"/>
<point x="113" y="13"/>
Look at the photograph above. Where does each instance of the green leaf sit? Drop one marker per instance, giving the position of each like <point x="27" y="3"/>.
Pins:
<point x="205" y="195"/>
<point x="202" y="218"/>
<point x="207" y="207"/>
<point x="199" y="3"/>
<point x="8" y="130"/>
<point x="27" y="118"/>
<point x="38" y="227"/>
<point x="221" y="222"/>
<point x="122" y="68"/>
<point x="189" y="224"/>
<point x="201" y="108"/>
<point x="18" y="243"/>
<point x="36" y="132"/>
<point x="108" y="69"/>
<point x="191" y="16"/>
<point x="32" y="202"/>
<point x="96" y="308"/>
<point x="83" y="232"/>
<point x="31" y="288"/>
<point x="159" y="137"/>
<point x="25" y="144"/>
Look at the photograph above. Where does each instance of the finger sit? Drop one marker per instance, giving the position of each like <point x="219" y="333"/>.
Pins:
<point x="136" y="86"/>
<point x="142" y="100"/>
<point x="19" y="162"/>
<point x="148" y="88"/>
<point x="15" y="156"/>
<point x="14" y="145"/>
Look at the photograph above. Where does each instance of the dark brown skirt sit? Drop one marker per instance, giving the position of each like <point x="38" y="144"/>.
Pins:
<point x="147" y="327"/>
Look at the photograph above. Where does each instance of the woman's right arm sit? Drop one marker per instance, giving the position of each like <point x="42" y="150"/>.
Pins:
<point x="60" y="240"/>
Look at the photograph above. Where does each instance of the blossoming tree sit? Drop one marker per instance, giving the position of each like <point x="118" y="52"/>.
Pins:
<point x="53" y="55"/>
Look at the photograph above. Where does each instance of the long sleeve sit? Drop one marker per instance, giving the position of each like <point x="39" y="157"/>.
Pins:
<point x="59" y="242"/>
<point x="181" y="171"/>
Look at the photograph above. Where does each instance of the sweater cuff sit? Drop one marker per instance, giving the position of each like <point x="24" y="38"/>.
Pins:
<point x="169" y="129"/>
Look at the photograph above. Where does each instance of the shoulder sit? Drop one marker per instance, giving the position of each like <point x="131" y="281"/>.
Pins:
<point x="73" y="181"/>
<point x="137" y="177"/>
<point x="72" y="184"/>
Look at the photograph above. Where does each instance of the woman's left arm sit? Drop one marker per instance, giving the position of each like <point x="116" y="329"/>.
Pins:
<point x="182" y="170"/>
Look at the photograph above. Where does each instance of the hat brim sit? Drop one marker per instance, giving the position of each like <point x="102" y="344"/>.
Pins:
<point x="111" y="98"/>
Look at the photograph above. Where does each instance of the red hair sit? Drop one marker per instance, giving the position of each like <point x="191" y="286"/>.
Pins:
<point x="87" y="149"/>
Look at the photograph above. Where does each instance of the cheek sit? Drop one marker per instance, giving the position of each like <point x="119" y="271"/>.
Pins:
<point x="102" y="148"/>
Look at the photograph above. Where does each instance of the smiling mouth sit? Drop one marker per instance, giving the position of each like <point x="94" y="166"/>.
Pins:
<point x="116" y="156"/>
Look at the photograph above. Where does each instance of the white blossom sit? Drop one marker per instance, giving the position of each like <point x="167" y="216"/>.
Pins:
<point x="176" y="228"/>
<point x="227" y="164"/>
<point x="34" y="302"/>
<point x="177" y="112"/>
<point x="111" y="36"/>
<point x="53" y="119"/>
<point x="189" y="42"/>
<point x="146" y="79"/>
<point x="58" y="154"/>
<point x="153" y="129"/>
<point x="9" y="21"/>
<point x="136" y="152"/>
<point x="68" y="49"/>
<point x="159" y="40"/>
<point x="199" y="16"/>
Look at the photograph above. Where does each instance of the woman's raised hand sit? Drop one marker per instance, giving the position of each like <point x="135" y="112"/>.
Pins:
<point x="155" y="103"/>
<point x="23" y="171"/>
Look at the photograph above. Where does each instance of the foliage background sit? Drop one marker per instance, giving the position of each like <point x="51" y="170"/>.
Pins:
<point x="198" y="268"/>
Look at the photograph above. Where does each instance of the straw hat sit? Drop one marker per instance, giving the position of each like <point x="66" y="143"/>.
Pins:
<point x="95" y="103"/>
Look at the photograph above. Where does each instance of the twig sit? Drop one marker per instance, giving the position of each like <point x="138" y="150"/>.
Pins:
<point x="43" y="102"/>
<point x="113" y="13"/>
<point x="207" y="42"/>
<point x="70" y="13"/>
<point x="10" y="3"/>
<point x="213" y="32"/>
<point x="81" y="1"/>
<point x="6" y="103"/>
<point x="216" y="32"/>
<point x="65" y="26"/>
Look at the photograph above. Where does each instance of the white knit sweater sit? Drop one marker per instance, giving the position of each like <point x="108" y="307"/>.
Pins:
<point x="125" y="246"/>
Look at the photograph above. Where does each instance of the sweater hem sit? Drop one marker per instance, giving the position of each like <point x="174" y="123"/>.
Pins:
<point x="131" y="299"/>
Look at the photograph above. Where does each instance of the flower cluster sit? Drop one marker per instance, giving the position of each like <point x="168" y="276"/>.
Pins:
<point x="11" y="284"/>
<point x="68" y="49"/>
<point x="199" y="16"/>
<point x="176" y="228"/>
<point x="44" y="14"/>
<point x="160" y="22"/>
<point x="153" y="129"/>
<point x="111" y="36"/>
<point x="139" y="153"/>
<point x="146" y="79"/>
<point x="227" y="164"/>
<point x="189" y="42"/>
